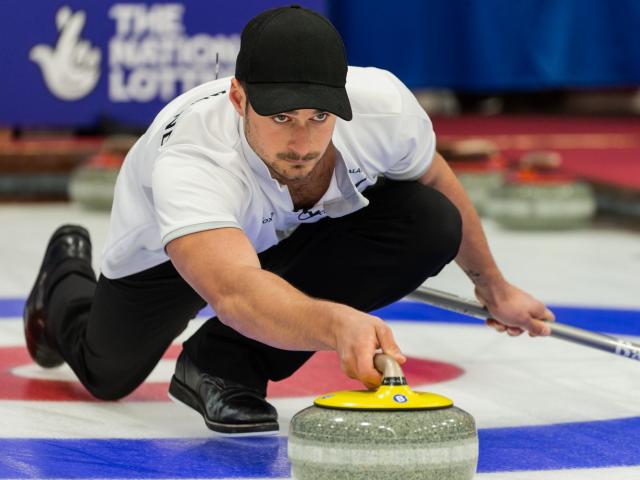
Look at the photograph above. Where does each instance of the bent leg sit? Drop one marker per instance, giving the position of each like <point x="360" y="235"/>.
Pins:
<point x="112" y="333"/>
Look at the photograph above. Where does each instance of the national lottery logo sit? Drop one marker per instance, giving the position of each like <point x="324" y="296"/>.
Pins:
<point x="71" y="67"/>
<point x="149" y="56"/>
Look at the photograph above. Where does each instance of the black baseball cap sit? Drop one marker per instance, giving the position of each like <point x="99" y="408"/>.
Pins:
<point x="292" y="58"/>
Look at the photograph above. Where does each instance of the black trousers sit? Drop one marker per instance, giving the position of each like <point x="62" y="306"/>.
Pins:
<point x="113" y="332"/>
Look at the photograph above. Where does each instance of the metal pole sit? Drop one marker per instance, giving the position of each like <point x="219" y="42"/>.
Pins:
<point x="473" y="308"/>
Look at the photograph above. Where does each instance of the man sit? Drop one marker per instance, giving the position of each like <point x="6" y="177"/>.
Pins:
<point x="288" y="203"/>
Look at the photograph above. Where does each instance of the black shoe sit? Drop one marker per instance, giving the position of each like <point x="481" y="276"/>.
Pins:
<point x="67" y="242"/>
<point x="226" y="406"/>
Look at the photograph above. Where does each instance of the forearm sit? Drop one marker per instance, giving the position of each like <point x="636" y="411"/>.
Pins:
<point x="223" y="268"/>
<point x="474" y="256"/>
<point x="512" y="309"/>
<point x="263" y="306"/>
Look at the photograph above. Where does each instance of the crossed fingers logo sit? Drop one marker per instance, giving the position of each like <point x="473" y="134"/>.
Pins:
<point x="71" y="68"/>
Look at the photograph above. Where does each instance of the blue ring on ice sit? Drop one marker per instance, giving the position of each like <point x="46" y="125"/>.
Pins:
<point x="599" y="444"/>
<point x="611" y="320"/>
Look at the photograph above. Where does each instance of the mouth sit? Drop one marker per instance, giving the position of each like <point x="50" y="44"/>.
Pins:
<point x="294" y="159"/>
<point x="297" y="162"/>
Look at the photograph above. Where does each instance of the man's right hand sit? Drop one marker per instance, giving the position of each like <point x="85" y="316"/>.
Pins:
<point x="358" y="337"/>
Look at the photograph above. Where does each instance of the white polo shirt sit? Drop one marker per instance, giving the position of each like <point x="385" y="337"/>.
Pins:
<point x="193" y="170"/>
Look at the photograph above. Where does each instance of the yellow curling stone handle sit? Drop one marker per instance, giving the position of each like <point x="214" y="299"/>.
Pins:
<point x="392" y="394"/>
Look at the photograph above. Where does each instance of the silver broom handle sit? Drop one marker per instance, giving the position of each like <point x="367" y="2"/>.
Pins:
<point x="473" y="308"/>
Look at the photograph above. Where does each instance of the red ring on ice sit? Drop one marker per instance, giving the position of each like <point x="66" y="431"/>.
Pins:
<point x="319" y="375"/>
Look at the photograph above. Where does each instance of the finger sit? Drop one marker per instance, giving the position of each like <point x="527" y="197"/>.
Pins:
<point x="499" y="326"/>
<point x="40" y="54"/>
<point x="93" y="58"/>
<point x="549" y="316"/>
<point x="371" y="384"/>
<point x="366" y="371"/>
<point x="388" y="344"/>
<point x="70" y="33"/>
<point x="347" y="365"/>
<point x="541" y="312"/>
<point x="495" y="325"/>
<point x="491" y="322"/>
<point x="539" y="328"/>
<point x="80" y="51"/>
<point x="62" y="16"/>
<point x="514" y="331"/>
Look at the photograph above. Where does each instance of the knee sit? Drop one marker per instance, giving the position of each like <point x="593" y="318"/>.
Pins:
<point x="438" y="232"/>
<point x="448" y="229"/>
<point x="439" y="225"/>
<point x="108" y="394"/>
<point x="110" y="389"/>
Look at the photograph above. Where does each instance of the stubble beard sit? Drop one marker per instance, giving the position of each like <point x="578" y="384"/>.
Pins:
<point x="293" y="173"/>
<point x="282" y="173"/>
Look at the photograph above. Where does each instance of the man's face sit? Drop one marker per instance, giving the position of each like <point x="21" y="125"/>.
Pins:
<point x="292" y="143"/>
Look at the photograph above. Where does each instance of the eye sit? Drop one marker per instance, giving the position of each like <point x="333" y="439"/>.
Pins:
<point x="280" y="118"/>
<point x="321" y="117"/>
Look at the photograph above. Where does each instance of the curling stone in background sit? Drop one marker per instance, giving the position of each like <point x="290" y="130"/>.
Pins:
<point x="538" y="195"/>
<point x="391" y="433"/>
<point x="91" y="185"/>
<point x="479" y="166"/>
<point x="38" y="167"/>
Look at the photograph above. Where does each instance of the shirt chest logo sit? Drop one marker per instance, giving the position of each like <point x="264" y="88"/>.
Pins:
<point x="308" y="214"/>
<point x="268" y="219"/>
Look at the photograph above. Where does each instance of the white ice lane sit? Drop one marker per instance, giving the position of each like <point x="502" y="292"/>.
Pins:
<point x="594" y="266"/>
<point x="26" y="231"/>
<point x="589" y="267"/>
<point x="622" y="473"/>
<point x="524" y="381"/>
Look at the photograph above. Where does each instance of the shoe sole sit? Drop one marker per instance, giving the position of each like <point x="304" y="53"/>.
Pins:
<point x="45" y="356"/>
<point x="180" y="392"/>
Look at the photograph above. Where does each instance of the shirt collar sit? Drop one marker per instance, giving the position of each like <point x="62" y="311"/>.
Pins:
<point x="352" y="199"/>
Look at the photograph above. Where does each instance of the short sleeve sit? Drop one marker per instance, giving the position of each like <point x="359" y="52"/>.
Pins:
<point x="414" y="138"/>
<point x="191" y="193"/>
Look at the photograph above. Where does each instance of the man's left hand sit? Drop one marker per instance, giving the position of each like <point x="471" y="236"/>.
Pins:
<point x="515" y="311"/>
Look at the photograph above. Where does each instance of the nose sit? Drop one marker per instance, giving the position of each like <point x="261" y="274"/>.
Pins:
<point x="300" y="141"/>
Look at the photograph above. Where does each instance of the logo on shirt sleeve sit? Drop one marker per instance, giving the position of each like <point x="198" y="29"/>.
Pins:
<point x="168" y="129"/>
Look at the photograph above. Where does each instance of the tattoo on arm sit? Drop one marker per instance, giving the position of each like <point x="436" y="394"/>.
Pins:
<point x="473" y="275"/>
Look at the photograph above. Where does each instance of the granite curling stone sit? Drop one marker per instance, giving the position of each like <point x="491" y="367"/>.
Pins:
<point x="92" y="184"/>
<point x="542" y="197"/>
<point x="479" y="166"/>
<point x="391" y="433"/>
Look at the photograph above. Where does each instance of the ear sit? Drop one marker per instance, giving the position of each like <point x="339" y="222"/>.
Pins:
<point x="238" y="97"/>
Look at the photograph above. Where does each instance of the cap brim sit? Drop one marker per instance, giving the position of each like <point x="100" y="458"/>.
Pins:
<point x="272" y="98"/>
